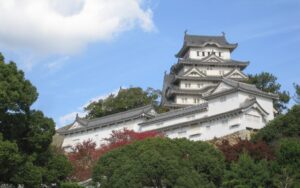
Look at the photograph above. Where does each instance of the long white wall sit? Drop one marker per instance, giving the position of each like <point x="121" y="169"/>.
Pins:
<point x="98" y="134"/>
<point x="194" y="131"/>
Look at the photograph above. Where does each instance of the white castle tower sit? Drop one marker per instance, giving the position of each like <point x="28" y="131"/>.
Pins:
<point x="203" y="61"/>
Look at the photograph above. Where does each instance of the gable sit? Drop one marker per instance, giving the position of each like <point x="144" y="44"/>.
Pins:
<point x="256" y="110"/>
<point x="75" y="125"/>
<point x="236" y="74"/>
<point x="213" y="58"/>
<point x="194" y="72"/>
<point x="221" y="87"/>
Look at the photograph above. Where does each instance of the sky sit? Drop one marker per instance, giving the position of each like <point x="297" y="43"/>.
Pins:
<point x="78" y="51"/>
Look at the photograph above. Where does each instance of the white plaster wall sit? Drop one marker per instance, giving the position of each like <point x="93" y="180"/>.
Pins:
<point x="225" y="53"/>
<point x="194" y="85"/>
<point x="97" y="135"/>
<point x="208" y="130"/>
<point x="224" y="103"/>
<point x="253" y="119"/>
<point x="265" y="103"/>
<point x="184" y="99"/>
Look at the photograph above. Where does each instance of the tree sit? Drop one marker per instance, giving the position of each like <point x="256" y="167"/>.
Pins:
<point x="26" y="134"/>
<point x="161" y="162"/>
<point x="247" y="173"/>
<point x="268" y="83"/>
<point x="257" y="150"/>
<point x="126" y="99"/>
<point x="85" y="154"/>
<point x="283" y="126"/>
<point x="297" y="94"/>
<point x="288" y="152"/>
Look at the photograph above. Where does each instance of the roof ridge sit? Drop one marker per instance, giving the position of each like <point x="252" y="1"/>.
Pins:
<point x="124" y="112"/>
<point x="180" y="109"/>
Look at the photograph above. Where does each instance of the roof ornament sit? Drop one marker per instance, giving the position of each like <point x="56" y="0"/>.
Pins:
<point x="223" y="33"/>
<point x="77" y="117"/>
<point x="185" y="32"/>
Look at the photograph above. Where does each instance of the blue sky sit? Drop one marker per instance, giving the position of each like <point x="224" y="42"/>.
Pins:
<point x="86" y="60"/>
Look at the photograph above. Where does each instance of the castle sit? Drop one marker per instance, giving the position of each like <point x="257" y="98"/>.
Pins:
<point x="205" y="91"/>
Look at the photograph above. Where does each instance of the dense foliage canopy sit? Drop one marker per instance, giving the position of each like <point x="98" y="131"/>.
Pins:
<point x="126" y="99"/>
<point x="161" y="162"/>
<point x="25" y="134"/>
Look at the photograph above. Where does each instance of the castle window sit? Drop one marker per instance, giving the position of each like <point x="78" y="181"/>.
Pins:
<point x="187" y="85"/>
<point x="224" y="122"/>
<point x="223" y="99"/>
<point x="200" y="85"/>
<point x="220" y="54"/>
<point x="208" y="53"/>
<point x="184" y="100"/>
<point x="234" y="126"/>
<point x="198" y="53"/>
<point x="203" y="53"/>
<point x="196" y="100"/>
<point x="214" y="53"/>
<point x="195" y="135"/>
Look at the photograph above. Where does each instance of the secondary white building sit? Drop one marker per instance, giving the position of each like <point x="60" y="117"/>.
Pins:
<point x="205" y="93"/>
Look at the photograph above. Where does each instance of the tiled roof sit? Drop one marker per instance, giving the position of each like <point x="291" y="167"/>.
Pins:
<point x="201" y="41"/>
<point x="111" y="119"/>
<point x="177" y="113"/>
<point x="246" y="104"/>
<point x="242" y="87"/>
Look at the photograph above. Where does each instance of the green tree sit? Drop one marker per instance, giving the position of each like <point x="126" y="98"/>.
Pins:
<point x="247" y="173"/>
<point x="10" y="159"/>
<point x="297" y="94"/>
<point x="288" y="152"/>
<point x="161" y="162"/>
<point x="126" y="99"/>
<point x="25" y="156"/>
<point x="268" y="82"/>
<point x="283" y="126"/>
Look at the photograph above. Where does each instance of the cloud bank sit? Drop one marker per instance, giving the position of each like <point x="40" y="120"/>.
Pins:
<point x="67" y="26"/>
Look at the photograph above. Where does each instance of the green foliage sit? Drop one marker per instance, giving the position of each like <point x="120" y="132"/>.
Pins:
<point x="297" y="93"/>
<point x="287" y="125"/>
<point x="16" y="93"/>
<point x="126" y="99"/>
<point x="58" y="167"/>
<point x="10" y="159"/>
<point x="25" y="156"/>
<point x="247" y="173"/>
<point x="161" y="162"/>
<point x="268" y="83"/>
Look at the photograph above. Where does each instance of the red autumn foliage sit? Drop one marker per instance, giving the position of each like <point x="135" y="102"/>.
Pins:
<point x="85" y="155"/>
<point x="258" y="150"/>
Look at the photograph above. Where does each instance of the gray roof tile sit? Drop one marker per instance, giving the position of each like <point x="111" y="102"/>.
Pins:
<point x="110" y="119"/>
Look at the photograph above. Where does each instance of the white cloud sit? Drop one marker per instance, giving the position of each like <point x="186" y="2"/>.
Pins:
<point x="58" y="63"/>
<point x="70" y="117"/>
<point x="66" y="26"/>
